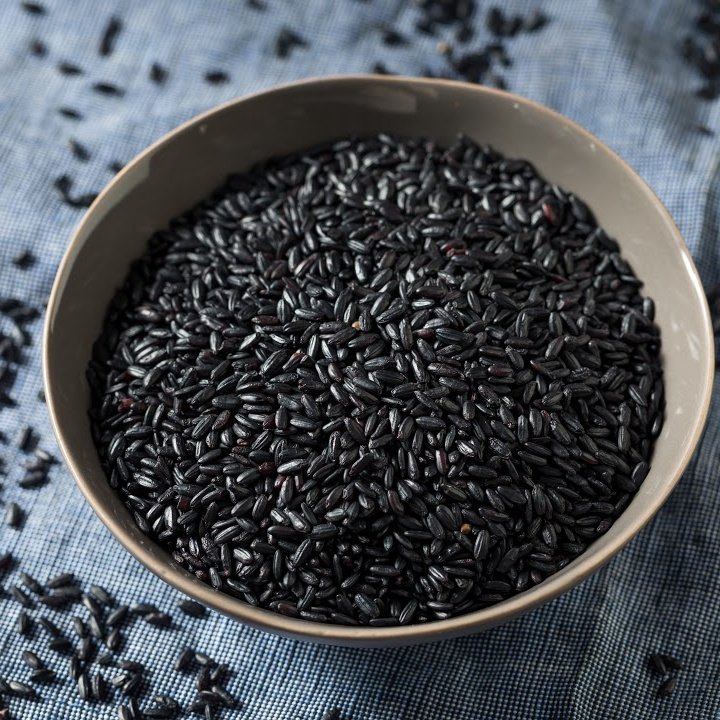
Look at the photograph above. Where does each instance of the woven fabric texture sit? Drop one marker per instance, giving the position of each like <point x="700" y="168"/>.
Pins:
<point x="613" y="66"/>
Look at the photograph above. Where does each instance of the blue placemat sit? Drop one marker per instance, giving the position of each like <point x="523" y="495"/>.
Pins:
<point x="614" y="66"/>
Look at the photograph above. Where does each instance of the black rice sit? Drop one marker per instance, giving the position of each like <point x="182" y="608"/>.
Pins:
<point x="668" y="687"/>
<point x="79" y="151"/>
<point x="380" y="68"/>
<point x="437" y="13"/>
<point x="192" y="608"/>
<point x="333" y="714"/>
<point x="51" y="628"/>
<point x="32" y="660"/>
<point x="25" y="439"/>
<point x="142" y="608"/>
<point x="704" y="130"/>
<point x="60" y="580"/>
<point x="158" y="73"/>
<point x="657" y="664"/>
<point x="101" y="595"/>
<point x="24" y="624"/>
<point x="24" y="259"/>
<point x="392" y="37"/>
<point x="70" y="113"/>
<point x="481" y="63"/>
<point x="132" y="686"/>
<point x="99" y="687"/>
<point x="109" y="36"/>
<point x="114" y="640"/>
<point x="63" y="185"/>
<point x="117" y="616"/>
<point x="159" y="619"/>
<point x="700" y="49"/>
<point x="63" y="646"/>
<point x="106" y="88"/>
<point x="14" y="515"/>
<point x="84" y="686"/>
<point x="38" y="48"/>
<point x="672" y="662"/>
<point x="31" y="583"/>
<point x="379" y="382"/>
<point x="80" y="628"/>
<point x="6" y="562"/>
<point x="286" y="41"/>
<point x="184" y="660"/>
<point x="34" y="479"/>
<point x="69" y="68"/>
<point x="216" y="77"/>
<point x="33" y="8"/>
<point x="42" y="675"/>
<point x="21" y="689"/>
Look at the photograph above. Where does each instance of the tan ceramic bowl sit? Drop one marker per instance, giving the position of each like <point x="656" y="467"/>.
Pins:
<point x="188" y="163"/>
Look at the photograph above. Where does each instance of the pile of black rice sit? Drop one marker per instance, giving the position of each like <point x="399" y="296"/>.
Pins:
<point x="379" y="382"/>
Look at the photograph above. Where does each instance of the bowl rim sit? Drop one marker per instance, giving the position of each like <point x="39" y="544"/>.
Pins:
<point x="364" y="635"/>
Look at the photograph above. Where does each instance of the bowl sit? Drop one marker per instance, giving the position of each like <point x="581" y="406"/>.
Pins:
<point x="188" y="163"/>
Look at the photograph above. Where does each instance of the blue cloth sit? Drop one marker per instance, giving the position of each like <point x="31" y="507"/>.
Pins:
<point x="613" y="66"/>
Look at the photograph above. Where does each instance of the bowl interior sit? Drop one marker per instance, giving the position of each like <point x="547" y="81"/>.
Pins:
<point x="189" y="163"/>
